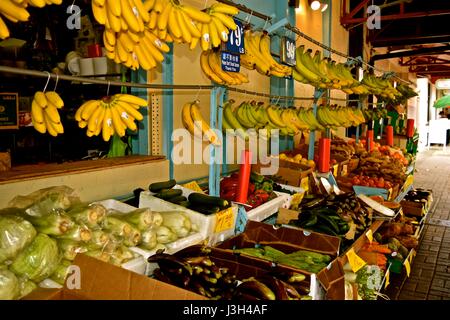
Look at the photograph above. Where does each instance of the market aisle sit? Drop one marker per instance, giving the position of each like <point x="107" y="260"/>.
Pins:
<point x="430" y="274"/>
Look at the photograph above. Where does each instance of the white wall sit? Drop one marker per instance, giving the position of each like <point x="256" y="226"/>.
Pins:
<point x="422" y="112"/>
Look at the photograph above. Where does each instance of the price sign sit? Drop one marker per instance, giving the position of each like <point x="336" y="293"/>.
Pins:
<point x="407" y="267"/>
<point x="412" y="255"/>
<point x="288" y="51"/>
<point x="369" y="235"/>
<point x="193" y="185"/>
<point x="386" y="281"/>
<point x="9" y="111"/>
<point x="235" y="43"/>
<point x="304" y="184"/>
<point x="231" y="62"/>
<point x="354" y="260"/>
<point x="344" y="171"/>
<point x="335" y="170"/>
<point x="224" y="220"/>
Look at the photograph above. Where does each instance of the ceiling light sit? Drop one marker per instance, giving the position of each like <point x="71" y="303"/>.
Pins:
<point x="314" y="4"/>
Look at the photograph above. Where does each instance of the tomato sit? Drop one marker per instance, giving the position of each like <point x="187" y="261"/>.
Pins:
<point x="370" y="181"/>
<point x="380" y="184"/>
<point x="364" y="184"/>
<point x="356" y="182"/>
<point x="387" y="185"/>
<point x="372" y="184"/>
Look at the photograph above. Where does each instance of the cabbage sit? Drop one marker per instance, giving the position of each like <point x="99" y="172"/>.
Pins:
<point x="26" y="287"/>
<point x="61" y="271"/>
<point x="149" y="240"/>
<point x="38" y="260"/>
<point x="15" y="234"/>
<point x="9" y="285"/>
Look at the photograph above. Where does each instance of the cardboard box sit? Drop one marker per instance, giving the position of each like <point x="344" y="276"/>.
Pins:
<point x="289" y="173"/>
<point x="412" y="208"/>
<point x="103" y="281"/>
<point x="289" y="240"/>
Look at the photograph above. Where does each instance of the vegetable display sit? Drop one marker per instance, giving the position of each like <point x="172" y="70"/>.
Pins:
<point x="15" y="234"/>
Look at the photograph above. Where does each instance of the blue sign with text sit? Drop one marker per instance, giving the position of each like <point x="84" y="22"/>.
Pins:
<point x="230" y="62"/>
<point x="235" y="43"/>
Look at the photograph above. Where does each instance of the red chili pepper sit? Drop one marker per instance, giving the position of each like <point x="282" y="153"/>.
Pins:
<point x="251" y="188"/>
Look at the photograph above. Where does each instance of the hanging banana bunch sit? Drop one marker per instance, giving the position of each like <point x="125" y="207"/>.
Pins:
<point x="336" y="116"/>
<point x="44" y="113"/>
<point x="196" y="125"/>
<point x="110" y="115"/>
<point x="15" y="11"/>
<point x="212" y="68"/>
<point x="258" y="56"/>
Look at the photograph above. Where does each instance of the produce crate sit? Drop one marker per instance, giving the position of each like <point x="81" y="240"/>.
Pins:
<point x="179" y="244"/>
<point x="206" y="224"/>
<point x="270" y="207"/>
<point x="353" y="164"/>
<point x="290" y="240"/>
<point x="413" y="208"/>
<point x="289" y="173"/>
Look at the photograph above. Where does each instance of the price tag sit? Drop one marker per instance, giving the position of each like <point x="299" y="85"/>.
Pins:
<point x="386" y="281"/>
<point x="224" y="220"/>
<point x="193" y="185"/>
<point x="369" y="235"/>
<point x="304" y="184"/>
<point x="409" y="181"/>
<point x="344" y="171"/>
<point x="235" y="43"/>
<point x="231" y="62"/>
<point x="335" y="170"/>
<point x="412" y="255"/>
<point x="355" y="261"/>
<point x="407" y="267"/>
<point x="288" y="51"/>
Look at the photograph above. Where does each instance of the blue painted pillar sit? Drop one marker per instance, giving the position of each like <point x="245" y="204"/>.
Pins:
<point x="140" y="141"/>
<point x="312" y="135"/>
<point x="167" y="127"/>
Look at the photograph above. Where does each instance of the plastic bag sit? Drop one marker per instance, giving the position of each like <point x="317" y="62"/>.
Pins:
<point x="9" y="285"/>
<point x="91" y="215"/>
<point x="45" y="200"/>
<point x="55" y="222"/>
<point x="25" y="287"/>
<point x="15" y="234"/>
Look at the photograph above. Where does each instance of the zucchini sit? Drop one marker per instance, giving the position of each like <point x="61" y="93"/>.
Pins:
<point x="203" y="199"/>
<point x="177" y="199"/>
<point x="184" y="204"/>
<point x="158" y="186"/>
<point x="204" y="209"/>
<point x="169" y="194"/>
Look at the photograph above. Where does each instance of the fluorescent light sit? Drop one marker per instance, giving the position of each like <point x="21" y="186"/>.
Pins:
<point x="315" y="5"/>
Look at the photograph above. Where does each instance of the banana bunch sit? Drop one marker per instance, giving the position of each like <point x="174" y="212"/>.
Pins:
<point x="251" y="118"/>
<point x="15" y="11"/>
<point x="324" y="73"/>
<point x="44" y="113"/>
<point x="212" y="68"/>
<point x="337" y="116"/>
<point x="258" y="56"/>
<point x="380" y="86"/>
<point x="375" y="114"/>
<point x="110" y="115"/>
<point x="175" y="22"/>
<point x="196" y="125"/>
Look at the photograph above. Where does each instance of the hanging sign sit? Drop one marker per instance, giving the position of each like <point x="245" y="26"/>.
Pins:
<point x="288" y="51"/>
<point x="230" y="62"/>
<point x="9" y="111"/>
<point x="235" y="43"/>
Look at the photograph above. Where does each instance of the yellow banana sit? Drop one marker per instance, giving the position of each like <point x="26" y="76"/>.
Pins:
<point x="224" y="8"/>
<point x="131" y="111"/>
<point x="193" y="29"/>
<point x="207" y="69"/>
<point x="4" y="31"/>
<point x="173" y="26"/>
<point x="226" y="20"/>
<point x="214" y="34"/>
<point x="205" y="41"/>
<point x="37" y="112"/>
<point x="163" y="19"/>
<point x="52" y="113"/>
<point x="196" y="14"/>
<point x="39" y="126"/>
<point x="202" y="125"/>
<point x="153" y="20"/>
<point x="107" y="124"/>
<point x="160" y="45"/>
<point x="126" y="118"/>
<point x="99" y="13"/>
<point x="119" y="126"/>
<point x="188" y="123"/>
<point x="128" y="16"/>
<point x="14" y="10"/>
<point x="113" y="21"/>
<point x="55" y="99"/>
<point x="194" y="43"/>
<point x="88" y="109"/>
<point x="185" y="34"/>
<point x="49" y="126"/>
<point x="150" y="48"/>
<point x="148" y="5"/>
<point x="142" y="12"/>
<point x="132" y="99"/>
<point x="221" y="29"/>
<point x="41" y="99"/>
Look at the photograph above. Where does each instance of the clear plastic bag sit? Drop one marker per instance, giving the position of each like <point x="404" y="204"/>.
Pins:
<point x="91" y="215"/>
<point x="15" y="234"/>
<point x="9" y="285"/>
<point x="40" y="202"/>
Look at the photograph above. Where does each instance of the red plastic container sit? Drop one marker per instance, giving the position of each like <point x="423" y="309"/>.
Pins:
<point x="324" y="154"/>
<point x="244" y="176"/>
<point x="94" y="51"/>
<point x="370" y="142"/>
<point x="410" y="128"/>
<point x="390" y="135"/>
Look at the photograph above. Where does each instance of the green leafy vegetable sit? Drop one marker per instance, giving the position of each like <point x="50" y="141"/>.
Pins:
<point x="15" y="234"/>
<point x="9" y="285"/>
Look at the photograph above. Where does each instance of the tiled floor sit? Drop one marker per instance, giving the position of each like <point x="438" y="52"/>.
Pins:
<point x="430" y="274"/>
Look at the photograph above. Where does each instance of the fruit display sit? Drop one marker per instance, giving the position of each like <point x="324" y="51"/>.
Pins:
<point x="16" y="10"/>
<point x="375" y="114"/>
<point x="258" y="56"/>
<point x="44" y="113"/>
<point x="380" y="86"/>
<point x="110" y="115"/>
<point x="196" y="125"/>
<point x="211" y="67"/>
<point x="324" y="73"/>
<point x="196" y="270"/>
<point x="363" y="284"/>
<point x="298" y="158"/>
<point x="342" y="148"/>
<point x="309" y="261"/>
<point x="335" y="116"/>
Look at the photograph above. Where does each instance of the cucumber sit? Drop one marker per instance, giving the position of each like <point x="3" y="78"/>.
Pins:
<point x="184" y="204"/>
<point x="166" y="195"/>
<point x="158" y="186"/>
<point x="312" y="221"/>
<point x="203" y="199"/>
<point x="204" y="209"/>
<point x="177" y="199"/>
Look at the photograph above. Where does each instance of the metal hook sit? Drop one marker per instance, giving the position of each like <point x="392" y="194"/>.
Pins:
<point x="249" y="17"/>
<point x="48" y="80"/>
<point x="107" y="91"/>
<point x="56" y="83"/>
<point x="206" y="3"/>
<point x="265" y="24"/>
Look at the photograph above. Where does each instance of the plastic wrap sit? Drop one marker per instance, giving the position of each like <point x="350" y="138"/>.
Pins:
<point x="165" y="235"/>
<point x="90" y="215"/>
<point x="98" y="240"/>
<point x="54" y="222"/>
<point x="77" y="233"/>
<point x="121" y="255"/>
<point x="140" y="218"/>
<point x="15" y="234"/>
<point x="38" y="260"/>
<point x="9" y="285"/>
<point x="70" y="248"/>
<point x="149" y="239"/>
<point x="45" y="200"/>
<point x="178" y="222"/>
<point x="26" y="287"/>
<point x="59" y="276"/>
